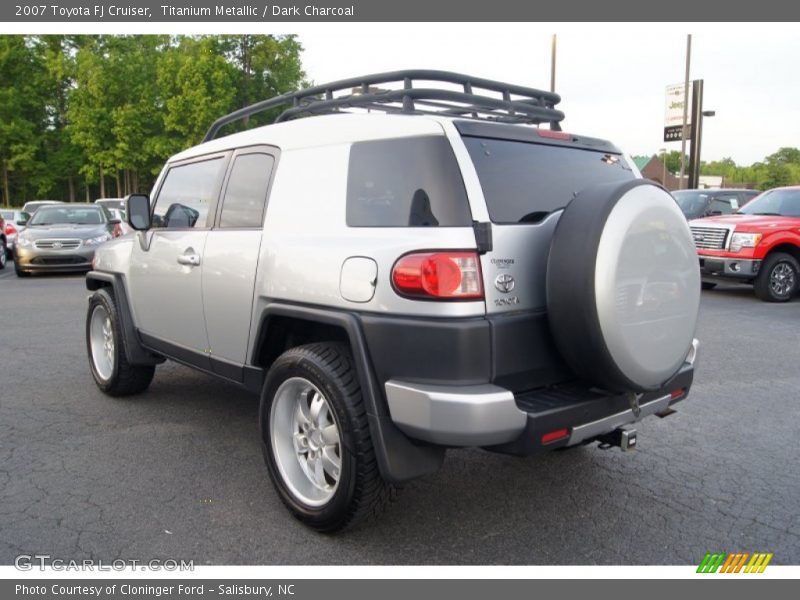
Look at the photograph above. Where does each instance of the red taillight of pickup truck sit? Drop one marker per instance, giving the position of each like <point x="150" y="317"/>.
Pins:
<point x="439" y="276"/>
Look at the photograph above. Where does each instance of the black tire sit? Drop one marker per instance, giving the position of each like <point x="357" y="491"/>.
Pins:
<point x="20" y="272"/>
<point x="778" y="278"/>
<point x="361" y="492"/>
<point x="3" y="254"/>
<point x="615" y="243"/>
<point x="708" y="285"/>
<point x="125" y="379"/>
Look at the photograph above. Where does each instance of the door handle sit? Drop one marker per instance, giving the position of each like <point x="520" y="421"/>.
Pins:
<point x="190" y="260"/>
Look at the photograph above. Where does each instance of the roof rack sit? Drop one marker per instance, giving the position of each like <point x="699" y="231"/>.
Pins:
<point x="509" y="104"/>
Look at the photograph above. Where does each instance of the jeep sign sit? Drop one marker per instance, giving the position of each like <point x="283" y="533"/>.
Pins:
<point x="673" y="113"/>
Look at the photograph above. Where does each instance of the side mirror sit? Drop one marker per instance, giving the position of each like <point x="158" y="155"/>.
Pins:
<point x="23" y="219"/>
<point x="137" y="207"/>
<point x="114" y="221"/>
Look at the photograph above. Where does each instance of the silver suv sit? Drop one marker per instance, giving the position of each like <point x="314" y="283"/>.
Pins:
<point x="401" y="271"/>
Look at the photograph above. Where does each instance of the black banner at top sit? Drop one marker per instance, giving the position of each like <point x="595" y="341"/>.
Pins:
<point x="257" y="11"/>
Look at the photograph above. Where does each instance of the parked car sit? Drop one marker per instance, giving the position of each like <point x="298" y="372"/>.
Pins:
<point x="117" y="203"/>
<point x="30" y="207"/>
<point x="13" y="218"/>
<point x="62" y="237"/>
<point x="122" y="227"/>
<point x="696" y="204"/>
<point x="3" y="243"/>
<point x="445" y="279"/>
<point x="760" y="245"/>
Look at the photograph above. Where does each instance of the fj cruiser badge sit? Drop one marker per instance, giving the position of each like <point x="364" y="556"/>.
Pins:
<point x="504" y="283"/>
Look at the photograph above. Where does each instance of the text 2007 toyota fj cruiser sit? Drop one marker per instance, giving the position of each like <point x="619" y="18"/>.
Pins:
<point x="436" y="272"/>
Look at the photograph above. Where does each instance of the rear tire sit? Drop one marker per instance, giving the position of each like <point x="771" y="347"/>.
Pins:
<point x="316" y="439"/>
<point x="112" y="372"/>
<point x="3" y="254"/>
<point x="778" y="278"/>
<point x="708" y="285"/>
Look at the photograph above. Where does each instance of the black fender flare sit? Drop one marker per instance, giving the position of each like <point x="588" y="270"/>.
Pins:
<point x="399" y="459"/>
<point x="134" y="351"/>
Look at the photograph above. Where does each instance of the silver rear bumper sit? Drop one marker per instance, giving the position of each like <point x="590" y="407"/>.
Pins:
<point x="471" y="415"/>
<point x="487" y="415"/>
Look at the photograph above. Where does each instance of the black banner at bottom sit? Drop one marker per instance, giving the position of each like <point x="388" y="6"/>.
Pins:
<point x="407" y="589"/>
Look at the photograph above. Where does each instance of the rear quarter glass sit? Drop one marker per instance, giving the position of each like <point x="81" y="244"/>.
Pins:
<point x="406" y="182"/>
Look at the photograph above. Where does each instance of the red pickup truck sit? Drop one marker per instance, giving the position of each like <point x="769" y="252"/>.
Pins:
<point x="759" y="244"/>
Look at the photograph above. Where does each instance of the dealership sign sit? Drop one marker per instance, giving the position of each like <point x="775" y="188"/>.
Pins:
<point x="673" y="113"/>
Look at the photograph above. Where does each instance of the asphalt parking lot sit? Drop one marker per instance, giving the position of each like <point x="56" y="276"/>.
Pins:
<point x="178" y="473"/>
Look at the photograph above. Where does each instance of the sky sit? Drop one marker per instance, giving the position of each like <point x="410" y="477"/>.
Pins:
<point x="611" y="78"/>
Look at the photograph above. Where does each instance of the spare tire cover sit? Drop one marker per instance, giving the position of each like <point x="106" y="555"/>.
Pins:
<point x="623" y="286"/>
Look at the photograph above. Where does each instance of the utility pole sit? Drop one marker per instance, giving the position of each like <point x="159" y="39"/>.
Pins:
<point x="684" y="132"/>
<point x="697" y="134"/>
<point x="553" y="64"/>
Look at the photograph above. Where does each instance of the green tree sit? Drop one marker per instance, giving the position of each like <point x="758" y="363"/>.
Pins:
<point x="61" y="155"/>
<point x="22" y="115"/>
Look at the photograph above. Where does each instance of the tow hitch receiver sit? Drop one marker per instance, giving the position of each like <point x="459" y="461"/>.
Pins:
<point x="624" y="439"/>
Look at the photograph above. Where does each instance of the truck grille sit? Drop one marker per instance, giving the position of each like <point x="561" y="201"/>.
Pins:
<point x="54" y="244"/>
<point x="709" y="238"/>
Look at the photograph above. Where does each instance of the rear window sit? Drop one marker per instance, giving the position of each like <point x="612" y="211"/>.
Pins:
<point x="524" y="182"/>
<point x="407" y="182"/>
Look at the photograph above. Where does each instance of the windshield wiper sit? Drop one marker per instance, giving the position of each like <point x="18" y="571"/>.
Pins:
<point x="538" y="216"/>
<point x="766" y="214"/>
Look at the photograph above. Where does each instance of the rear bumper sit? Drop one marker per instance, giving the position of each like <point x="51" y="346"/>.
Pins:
<point x="728" y="268"/>
<point x="491" y="416"/>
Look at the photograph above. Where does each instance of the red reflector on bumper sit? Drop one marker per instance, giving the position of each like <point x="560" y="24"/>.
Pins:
<point x="677" y="393"/>
<point x="553" y="436"/>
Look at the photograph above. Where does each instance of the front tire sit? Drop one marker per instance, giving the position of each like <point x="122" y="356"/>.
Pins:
<point x="112" y="372"/>
<point x="316" y="439"/>
<point x="708" y="285"/>
<point x="3" y="254"/>
<point x="778" y="278"/>
<point x="20" y="272"/>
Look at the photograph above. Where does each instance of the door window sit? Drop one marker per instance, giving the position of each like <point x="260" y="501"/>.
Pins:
<point x="186" y="195"/>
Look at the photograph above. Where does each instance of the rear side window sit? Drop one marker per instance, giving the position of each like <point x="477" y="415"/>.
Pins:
<point x="246" y="193"/>
<point x="524" y="182"/>
<point x="186" y="195"/>
<point x="407" y="182"/>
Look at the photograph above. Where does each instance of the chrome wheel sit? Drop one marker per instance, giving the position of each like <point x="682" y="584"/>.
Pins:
<point x="3" y="255"/>
<point x="782" y="279"/>
<point x="101" y="341"/>
<point x="305" y="441"/>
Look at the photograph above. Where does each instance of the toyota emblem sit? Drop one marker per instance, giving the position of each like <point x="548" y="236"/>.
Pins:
<point x="57" y="245"/>
<point x="504" y="283"/>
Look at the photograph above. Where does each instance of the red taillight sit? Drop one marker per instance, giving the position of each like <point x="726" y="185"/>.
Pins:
<point x="556" y="135"/>
<point x="439" y="275"/>
<point x="554" y="436"/>
<point x="10" y="229"/>
<point x="674" y="394"/>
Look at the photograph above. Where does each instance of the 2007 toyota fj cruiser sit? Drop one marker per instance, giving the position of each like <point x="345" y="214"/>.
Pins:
<point x="445" y="273"/>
